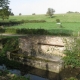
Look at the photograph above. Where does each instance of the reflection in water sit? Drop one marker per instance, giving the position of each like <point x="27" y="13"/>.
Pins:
<point x="39" y="74"/>
<point x="78" y="76"/>
<point x="47" y="71"/>
<point x="34" y="77"/>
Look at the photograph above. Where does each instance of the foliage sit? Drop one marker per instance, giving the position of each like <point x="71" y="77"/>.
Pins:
<point x="57" y="32"/>
<point x="8" y="76"/>
<point x="20" y="14"/>
<point x="58" y="20"/>
<point x="72" y="12"/>
<point x="72" y="52"/>
<point x="19" y="78"/>
<point x="9" y="63"/>
<point x="32" y="31"/>
<point x="50" y="12"/>
<point x="33" y="21"/>
<point x="11" y="14"/>
<point x="12" y="23"/>
<point x="33" y="14"/>
<point x="4" y="9"/>
<point x="4" y="13"/>
<point x="72" y="78"/>
<point x="2" y="30"/>
<point x="4" y="3"/>
<point x="9" y="44"/>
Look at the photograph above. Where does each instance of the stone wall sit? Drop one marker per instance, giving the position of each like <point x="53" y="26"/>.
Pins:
<point x="46" y="45"/>
<point x="53" y="66"/>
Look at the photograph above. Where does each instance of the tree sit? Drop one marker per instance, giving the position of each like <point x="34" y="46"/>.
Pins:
<point x="4" y="3"/>
<point x="33" y="14"/>
<point x="70" y="12"/>
<point x="20" y="14"/>
<point x="11" y="14"/>
<point x="4" y="9"/>
<point x="50" y="12"/>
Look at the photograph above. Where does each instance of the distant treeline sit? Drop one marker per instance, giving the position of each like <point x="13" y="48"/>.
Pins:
<point x="72" y="12"/>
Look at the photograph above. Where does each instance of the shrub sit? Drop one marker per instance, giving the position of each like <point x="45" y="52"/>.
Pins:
<point x="2" y="30"/>
<point x="72" y="52"/>
<point x="32" y="31"/>
<point x="19" y="78"/>
<point x="33" y="14"/>
<point x="10" y="30"/>
<point x="58" y="20"/>
<point x="20" y="14"/>
<point x="8" y="76"/>
<point x="33" y="21"/>
<point x="72" y="78"/>
<point x="9" y="44"/>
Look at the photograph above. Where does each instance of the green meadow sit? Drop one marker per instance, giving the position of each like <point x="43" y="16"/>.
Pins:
<point x="69" y="21"/>
<point x="68" y="17"/>
<point x="49" y="25"/>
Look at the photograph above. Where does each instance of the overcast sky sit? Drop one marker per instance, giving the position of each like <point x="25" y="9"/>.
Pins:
<point x="27" y="7"/>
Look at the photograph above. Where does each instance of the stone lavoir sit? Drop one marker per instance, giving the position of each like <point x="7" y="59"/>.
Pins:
<point x="46" y="52"/>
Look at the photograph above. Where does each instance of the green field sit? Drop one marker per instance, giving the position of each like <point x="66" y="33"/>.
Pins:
<point x="71" y="17"/>
<point x="69" y="21"/>
<point x="49" y="25"/>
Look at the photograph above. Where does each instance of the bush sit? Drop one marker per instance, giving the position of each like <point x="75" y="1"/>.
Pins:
<point x="6" y="75"/>
<point x="2" y="30"/>
<point x="10" y="30"/>
<point x="10" y="23"/>
<point x="72" y="78"/>
<point x="57" y="32"/>
<point x="72" y="52"/>
<point x="33" y="21"/>
<point x="60" y="32"/>
<point x="9" y="44"/>
<point x="32" y="31"/>
<point x="58" y="20"/>
<point x="19" y="78"/>
<point x="33" y="14"/>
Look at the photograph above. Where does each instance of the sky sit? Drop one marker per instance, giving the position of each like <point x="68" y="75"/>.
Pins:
<point x="27" y="7"/>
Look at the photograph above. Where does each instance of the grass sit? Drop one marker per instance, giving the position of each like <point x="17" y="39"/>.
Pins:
<point x="72" y="17"/>
<point x="69" y="17"/>
<point x="70" y="21"/>
<point x="74" y="26"/>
